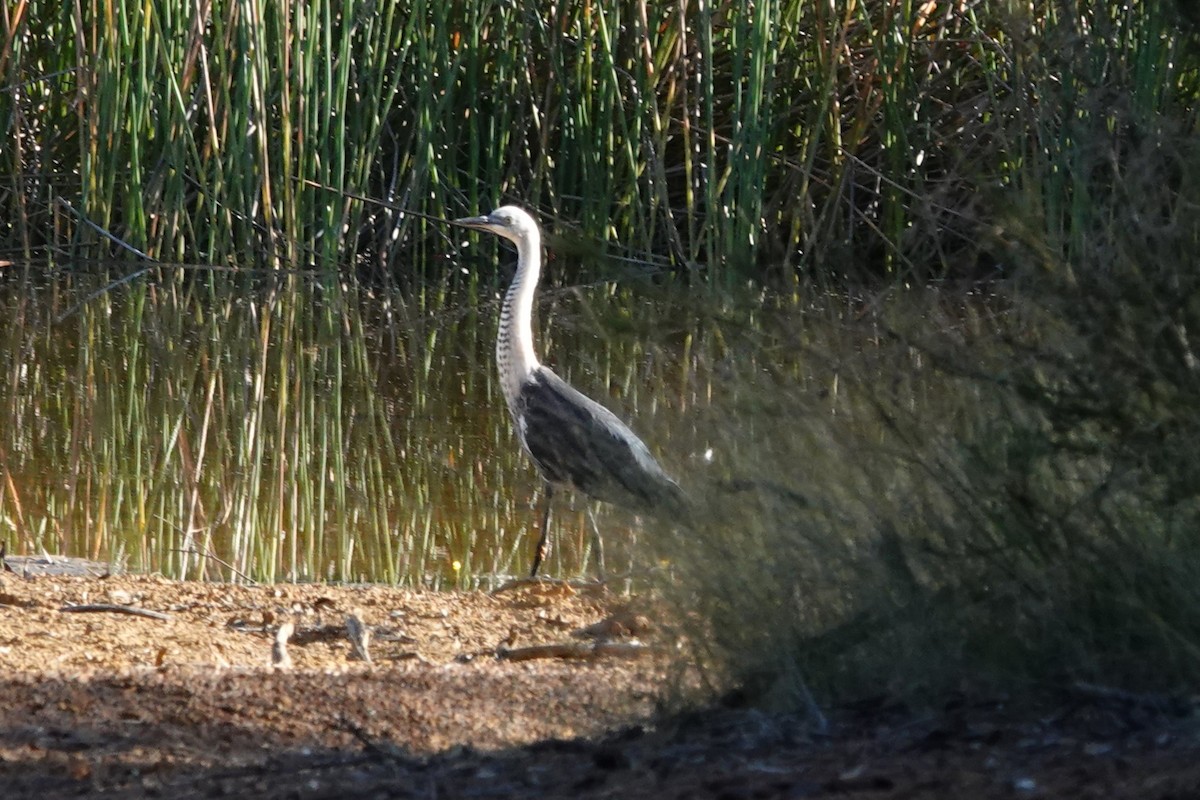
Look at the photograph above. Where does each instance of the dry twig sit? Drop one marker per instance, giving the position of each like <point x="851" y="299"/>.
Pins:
<point x="573" y="650"/>
<point x="117" y="609"/>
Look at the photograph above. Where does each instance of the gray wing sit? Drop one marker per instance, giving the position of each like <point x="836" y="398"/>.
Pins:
<point x="575" y="441"/>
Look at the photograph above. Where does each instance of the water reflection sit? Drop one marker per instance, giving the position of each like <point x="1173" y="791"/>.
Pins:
<point x="210" y="429"/>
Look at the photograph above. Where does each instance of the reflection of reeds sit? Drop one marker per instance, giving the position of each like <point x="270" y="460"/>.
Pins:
<point x="292" y="432"/>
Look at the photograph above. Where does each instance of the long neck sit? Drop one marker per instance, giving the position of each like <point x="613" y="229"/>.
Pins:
<point x="514" y="345"/>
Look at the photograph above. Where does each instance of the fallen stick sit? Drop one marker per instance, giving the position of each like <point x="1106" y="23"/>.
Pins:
<point x="573" y="650"/>
<point x="117" y="609"/>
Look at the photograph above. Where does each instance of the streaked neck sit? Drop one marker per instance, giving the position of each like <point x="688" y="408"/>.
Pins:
<point x="514" y="345"/>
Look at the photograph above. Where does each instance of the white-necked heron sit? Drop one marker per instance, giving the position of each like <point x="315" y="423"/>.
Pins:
<point x="574" y="441"/>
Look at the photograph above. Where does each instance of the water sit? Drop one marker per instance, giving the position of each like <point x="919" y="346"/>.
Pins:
<point x="221" y="428"/>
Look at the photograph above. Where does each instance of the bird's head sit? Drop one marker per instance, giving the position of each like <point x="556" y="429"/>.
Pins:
<point x="510" y="222"/>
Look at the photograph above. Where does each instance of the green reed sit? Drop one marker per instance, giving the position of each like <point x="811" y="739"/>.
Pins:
<point x="768" y="141"/>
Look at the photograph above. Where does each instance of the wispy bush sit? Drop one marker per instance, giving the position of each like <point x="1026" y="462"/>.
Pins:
<point x="971" y="490"/>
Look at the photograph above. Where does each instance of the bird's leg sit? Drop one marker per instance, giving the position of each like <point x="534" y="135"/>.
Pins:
<point x="597" y="545"/>
<point x="543" y="546"/>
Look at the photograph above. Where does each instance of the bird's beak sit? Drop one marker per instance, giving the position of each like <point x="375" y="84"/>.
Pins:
<point x="478" y="223"/>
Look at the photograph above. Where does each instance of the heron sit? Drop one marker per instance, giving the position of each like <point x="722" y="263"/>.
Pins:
<point x="574" y="442"/>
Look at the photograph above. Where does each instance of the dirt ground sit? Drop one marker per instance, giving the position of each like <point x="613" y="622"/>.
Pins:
<point x="540" y="691"/>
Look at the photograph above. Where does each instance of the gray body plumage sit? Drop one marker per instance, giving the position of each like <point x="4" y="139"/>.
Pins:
<point x="574" y="441"/>
<point x="578" y="443"/>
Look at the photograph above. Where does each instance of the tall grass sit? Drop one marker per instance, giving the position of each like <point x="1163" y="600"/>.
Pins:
<point x="765" y="141"/>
